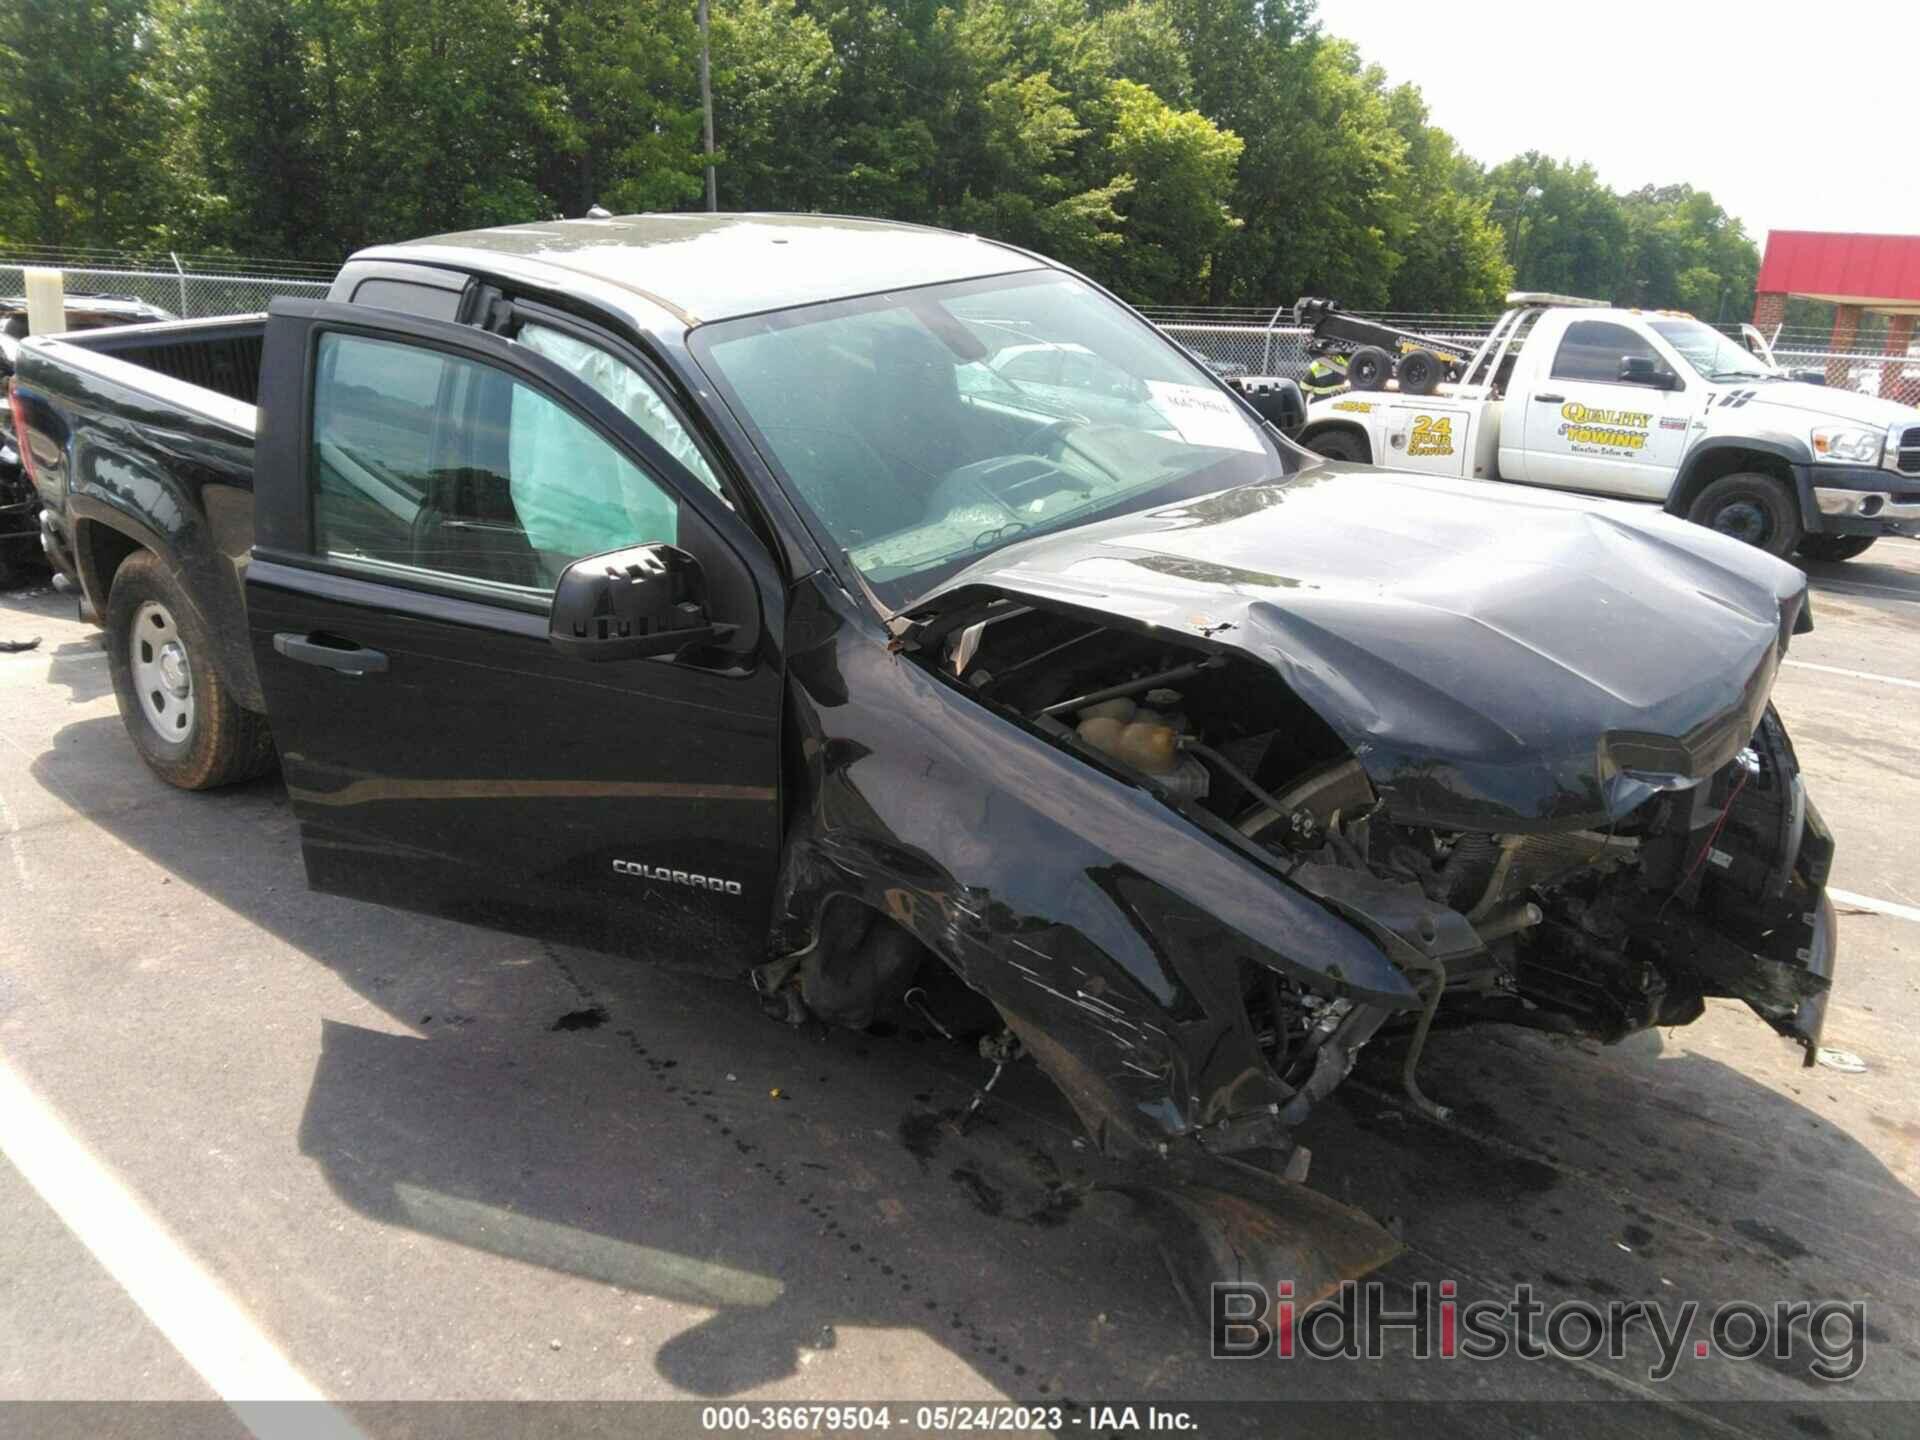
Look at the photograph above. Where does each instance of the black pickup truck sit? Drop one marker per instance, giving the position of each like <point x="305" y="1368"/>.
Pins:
<point x="698" y="586"/>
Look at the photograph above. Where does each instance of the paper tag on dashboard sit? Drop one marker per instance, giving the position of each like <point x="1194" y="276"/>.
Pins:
<point x="1203" y="416"/>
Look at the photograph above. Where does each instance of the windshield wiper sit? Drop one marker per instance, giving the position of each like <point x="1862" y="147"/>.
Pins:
<point x="1743" y="375"/>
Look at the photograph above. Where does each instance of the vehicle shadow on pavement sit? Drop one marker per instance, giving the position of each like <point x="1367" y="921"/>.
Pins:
<point x="1880" y="573"/>
<point x="618" y="1122"/>
<point x="81" y="666"/>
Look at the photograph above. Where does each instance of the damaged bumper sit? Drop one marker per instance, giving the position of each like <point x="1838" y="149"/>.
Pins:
<point x="1200" y="821"/>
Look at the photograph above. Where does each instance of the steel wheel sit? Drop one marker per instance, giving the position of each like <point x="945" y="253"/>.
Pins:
<point x="162" y="676"/>
<point x="1757" y="509"/>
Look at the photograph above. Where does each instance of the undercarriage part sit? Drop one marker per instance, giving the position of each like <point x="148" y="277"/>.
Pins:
<point x="1232" y="1222"/>
<point x="1409" y="1069"/>
<point x="1508" y="922"/>
<point x="916" y="1001"/>
<point x="1000" y="1051"/>
<point x="859" y="964"/>
<point x="1332" y="1048"/>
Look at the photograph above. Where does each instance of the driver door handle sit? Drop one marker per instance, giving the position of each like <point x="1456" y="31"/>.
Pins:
<point x="1549" y="399"/>
<point x="348" y="659"/>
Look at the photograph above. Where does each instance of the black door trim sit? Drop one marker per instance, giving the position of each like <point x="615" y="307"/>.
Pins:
<point x="398" y="599"/>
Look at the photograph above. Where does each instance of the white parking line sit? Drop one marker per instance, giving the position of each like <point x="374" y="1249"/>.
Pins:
<point x="1879" y="907"/>
<point x="1852" y="674"/>
<point x="187" y="1305"/>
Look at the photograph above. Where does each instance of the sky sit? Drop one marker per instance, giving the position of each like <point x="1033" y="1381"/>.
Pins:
<point x="1787" y="114"/>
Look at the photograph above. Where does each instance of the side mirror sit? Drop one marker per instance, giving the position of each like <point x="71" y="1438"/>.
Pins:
<point x="625" y="604"/>
<point x="1645" y="370"/>
<point x="1280" y="402"/>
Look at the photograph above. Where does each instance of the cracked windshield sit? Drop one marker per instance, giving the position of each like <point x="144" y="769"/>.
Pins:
<point x="927" y="428"/>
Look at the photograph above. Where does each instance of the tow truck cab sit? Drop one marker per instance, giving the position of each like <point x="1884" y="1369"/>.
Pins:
<point x="1577" y="395"/>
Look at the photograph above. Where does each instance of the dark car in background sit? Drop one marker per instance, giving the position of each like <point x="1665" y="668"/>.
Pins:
<point x="19" y="505"/>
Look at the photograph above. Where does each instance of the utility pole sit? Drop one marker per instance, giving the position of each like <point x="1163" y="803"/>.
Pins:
<point x="706" y="109"/>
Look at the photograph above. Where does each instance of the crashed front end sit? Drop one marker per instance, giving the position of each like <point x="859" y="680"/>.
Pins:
<point x="1201" y="826"/>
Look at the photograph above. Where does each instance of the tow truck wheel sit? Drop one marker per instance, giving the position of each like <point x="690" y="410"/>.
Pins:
<point x="1418" y="372"/>
<point x="1369" y="367"/>
<point x="1751" y="507"/>
<point x="179" y="712"/>
<point x="1835" y="547"/>
<point x="1341" y="445"/>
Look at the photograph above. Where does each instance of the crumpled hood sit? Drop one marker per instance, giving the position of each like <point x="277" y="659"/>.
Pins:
<point x="1495" y="657"/>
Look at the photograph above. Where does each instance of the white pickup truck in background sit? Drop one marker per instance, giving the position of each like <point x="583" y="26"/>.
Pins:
<point x="1649" y="405"/>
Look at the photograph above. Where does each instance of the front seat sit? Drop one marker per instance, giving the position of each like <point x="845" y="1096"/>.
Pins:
<point x="917" y="395"/>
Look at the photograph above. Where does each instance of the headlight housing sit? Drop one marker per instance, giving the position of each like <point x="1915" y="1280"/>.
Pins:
<point x="1848" y="444"/>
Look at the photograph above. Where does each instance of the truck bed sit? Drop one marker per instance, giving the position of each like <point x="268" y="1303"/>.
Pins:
<point x="144" y="438"/>
<point x="221" y="355"/>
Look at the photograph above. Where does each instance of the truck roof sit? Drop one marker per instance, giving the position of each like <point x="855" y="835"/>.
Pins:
<point x="712" y="267"/>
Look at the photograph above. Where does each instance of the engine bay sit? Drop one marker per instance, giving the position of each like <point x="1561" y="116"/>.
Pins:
<point x="1699" y="891"/>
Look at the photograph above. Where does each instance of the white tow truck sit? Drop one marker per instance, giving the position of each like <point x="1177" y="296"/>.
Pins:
<point x="1579" y="395"/>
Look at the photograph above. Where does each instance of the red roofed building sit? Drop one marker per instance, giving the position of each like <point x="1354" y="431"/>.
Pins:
<point x="1856" y="274"/>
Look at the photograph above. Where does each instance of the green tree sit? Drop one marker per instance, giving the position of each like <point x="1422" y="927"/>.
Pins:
<point x="1566" y="232"/>
<point x="261" y="80"/>
<point x="1452" y="256"/>
<point x="82" y="124"/>
<point x="1181" y="168"/>
<point x="622" y="106"/>
<point x="774" y="76"/>
<point x="1685" y="252"/>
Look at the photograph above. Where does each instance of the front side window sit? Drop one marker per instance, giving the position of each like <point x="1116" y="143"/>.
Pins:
<point x="626" y="389"/>
<point x="426" y="462"/>
<point x="909" y="427"/>
<point x="1593" y="350"/>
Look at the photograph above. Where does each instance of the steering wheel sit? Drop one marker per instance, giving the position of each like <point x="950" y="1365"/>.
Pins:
<point x="1048" y="437"/>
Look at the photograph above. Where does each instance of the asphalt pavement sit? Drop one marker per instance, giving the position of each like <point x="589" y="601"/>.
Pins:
<point x="401" y="1159"/>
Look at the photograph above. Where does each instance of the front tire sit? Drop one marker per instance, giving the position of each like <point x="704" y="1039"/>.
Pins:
<point x="1755" y="508"/>
<point x="179" y="712"/>
<point x="1835" y="547"/>
<point x="1341" y="445"/>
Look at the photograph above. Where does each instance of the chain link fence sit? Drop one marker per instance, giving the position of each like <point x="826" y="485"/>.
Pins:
<point x="187" y="286"/>
<point x="1267" y="342"/>
<point x="1892" y="377"/>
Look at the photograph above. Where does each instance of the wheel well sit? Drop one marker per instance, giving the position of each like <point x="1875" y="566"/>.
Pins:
<point x="1720" y="463"/>
<point x="100" y="551"/>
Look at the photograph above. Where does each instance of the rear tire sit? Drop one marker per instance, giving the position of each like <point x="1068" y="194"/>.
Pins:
<point x="1835" y="547"/>
<point x="1752" y="507"/>
<point x="179" y="712"/>
<point x="1341" y="445"/>
<point x="1369" y="367"/>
